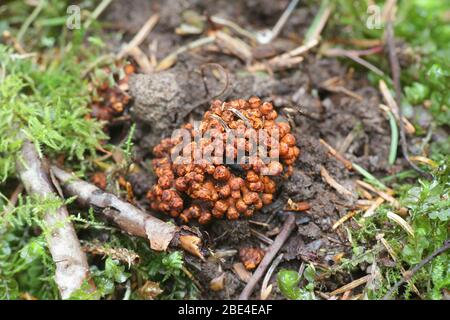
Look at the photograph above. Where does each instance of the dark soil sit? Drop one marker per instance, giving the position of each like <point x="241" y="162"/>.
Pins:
<point x="163" y="101"/>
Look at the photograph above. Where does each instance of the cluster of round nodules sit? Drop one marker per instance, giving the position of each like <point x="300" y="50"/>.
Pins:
<point x="208" y="188"/>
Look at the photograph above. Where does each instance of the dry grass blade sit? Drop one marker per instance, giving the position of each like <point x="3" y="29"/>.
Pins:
<point x="394" y="107"/>
<point x="344" y="219"/>
<point x="235" y="46"/>
<point x="351" y="285"/>
<point x="333" y="183"/>
<point x="385" y="195"/>
<point x="319" y="22"/>
<point x="241" y="116"/>
<point x="141" y="59"/>
<point x="265" y="288"/>
<point x="140" y="36"/>
<point x="373" y="207"/>
<point x="401" y="222"/>
<point x="170" y="60"/>
<point x="394" y="257"/>
<point x="337" y="155"/>
<point x="235" y="27"/>
<point x="242" y="273"/>
<point x="288" y="227"/>
<point x="221" y="121"/>
<point x="294" y="52"/>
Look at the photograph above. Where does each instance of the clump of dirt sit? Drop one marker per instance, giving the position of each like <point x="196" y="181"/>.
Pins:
<point x="352" y="123"/>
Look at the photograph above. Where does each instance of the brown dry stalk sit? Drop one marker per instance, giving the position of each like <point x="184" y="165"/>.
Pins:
<point x="333" y="183"/>
<point x="337" y="155"/>
<point x="385" y="195"/>
<point x="343" y="219"/>
<point x="394" y="257"/>
<point x="128" y="217"/>
<point x="371" y="210"/>
<point x="72" y="269"/>
<point x="410" y="273"/>
<point x="393" y="107"/>
<point x="140" y="36"/>
<point x="351" y="285"/>
<point x="288" y="226"/>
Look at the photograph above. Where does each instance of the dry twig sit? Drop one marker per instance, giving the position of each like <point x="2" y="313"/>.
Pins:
<point x="337" y="155"/>
<point x="129" y="218"/>
<point x="140" y="36"/>
<point x="72" y="269"/>
<point x="288" y="226"/>
<point x="410" y="273"/>
<point x="333" y="183"/>
<point x="351" y="285"/>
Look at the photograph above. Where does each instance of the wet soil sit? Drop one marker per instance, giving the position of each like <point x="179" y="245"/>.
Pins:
<point x="164" y="100"/>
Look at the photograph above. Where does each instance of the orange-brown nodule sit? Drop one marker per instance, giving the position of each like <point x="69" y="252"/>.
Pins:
<point x="203" y="187"/>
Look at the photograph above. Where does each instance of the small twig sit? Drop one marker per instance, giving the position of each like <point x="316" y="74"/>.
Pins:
<point x="385" y="195"/>
<point x="72" y="269"/>
<point x="266" y="36"/>
<point x="410" y="273"/>
<point x="337" y="155"/>
<point x="333" y="183"/>
<point x="261" y="237"/>
<point x="265" y="288"/>
<point x="223" y="71"/>
<point x="394" y="257"/>
<point x="128" y="217"/>
<point x="356" y="58"/>
<point x="395" y="69"/>
<point x="351" y="285"/>
<point x="169" y="60"/>
<point x="343" y="219"/>
<point x="30" y="19"/>
<point x="288" y="227"/>
<point x="96" y="13"/>
<point x="140" y="36"/>
<point x="319" y="22"/>
<point x="13" y="199"/>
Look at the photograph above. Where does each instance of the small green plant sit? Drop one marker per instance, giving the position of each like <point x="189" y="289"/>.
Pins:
<point x="288" y="282"/>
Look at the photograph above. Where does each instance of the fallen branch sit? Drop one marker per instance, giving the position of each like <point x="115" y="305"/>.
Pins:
<point x="288" y="226"/>
<point x="72" y="269"/>
<point x="410" y="273"/>
<point x="129" y="218"/>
